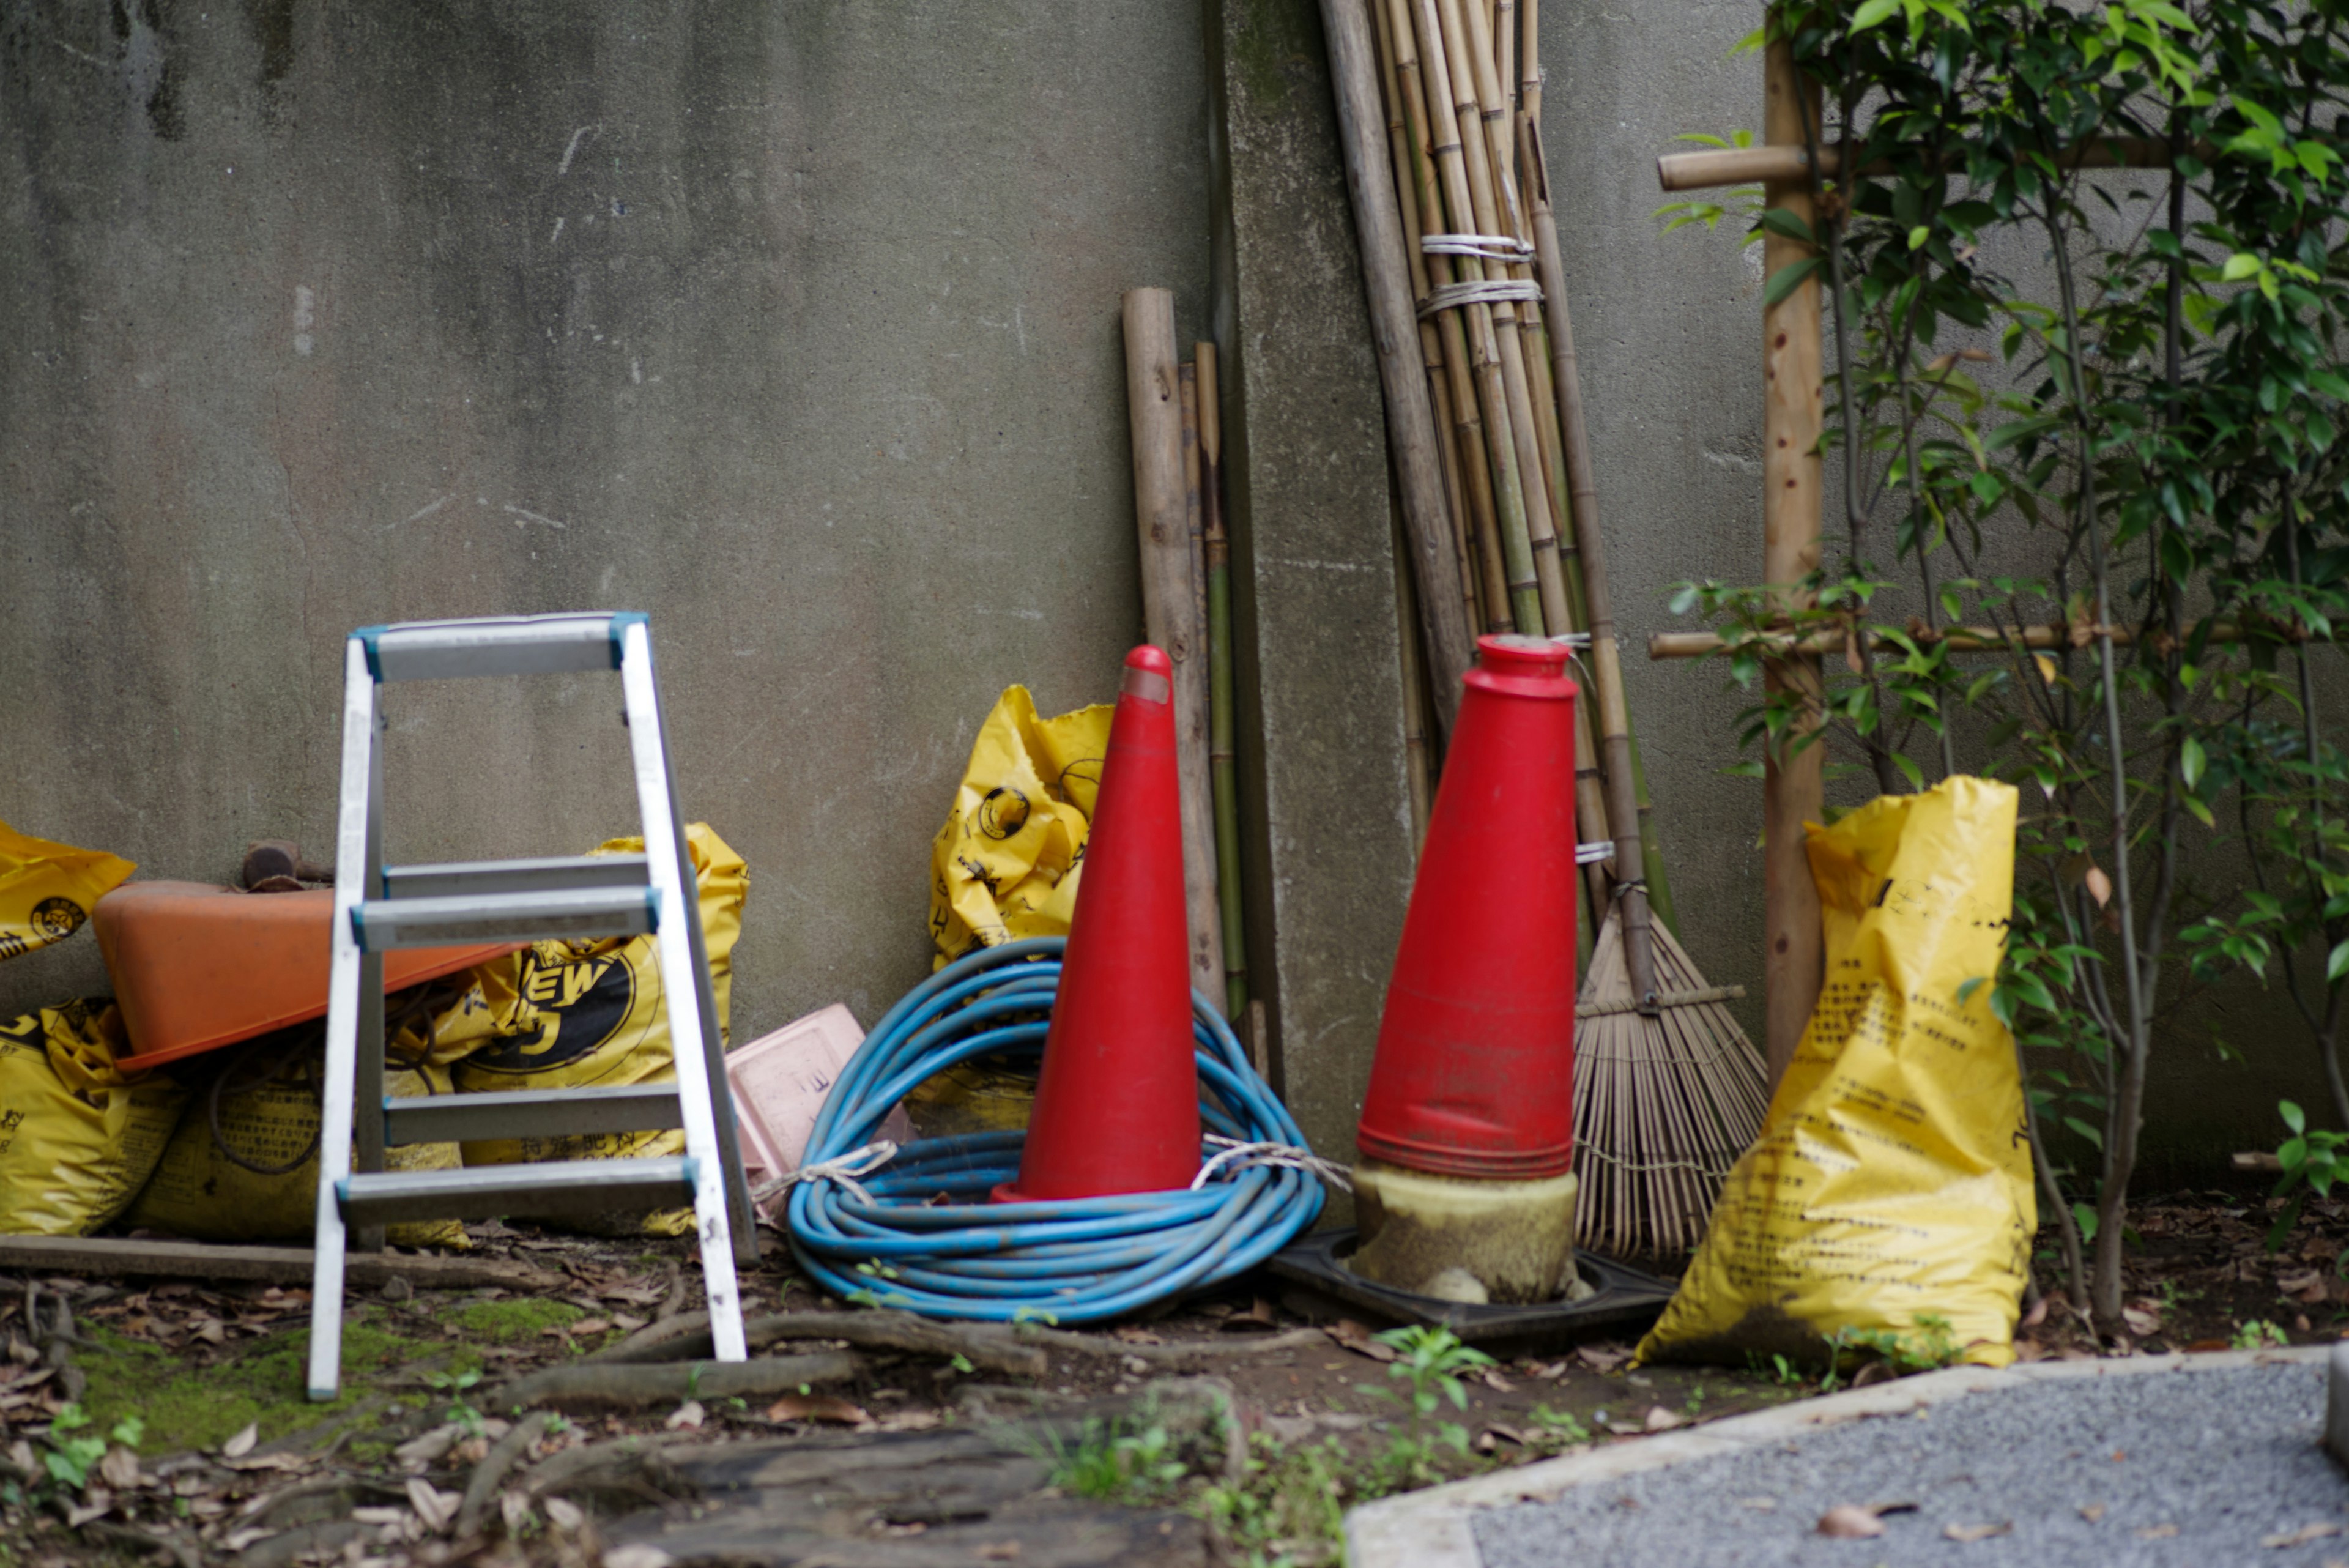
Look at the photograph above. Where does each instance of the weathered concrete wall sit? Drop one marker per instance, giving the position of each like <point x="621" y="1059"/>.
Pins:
<point x="1329" y="843"/>
<point x="794" y="324"/>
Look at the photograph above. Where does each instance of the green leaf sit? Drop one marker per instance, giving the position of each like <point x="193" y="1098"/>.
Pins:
<point x="1871" y="14"/>
<point x="2191" y="762"/>
<point x="2337" y="964"/>
<point x="2086" y="1218"/>
<point x="1781" y="222"/>
<point x="2294" y="1116"/>
<point x="1788" y="279"/>
<point x="2239" y="265"/>
<point x="2093" y="1134"/>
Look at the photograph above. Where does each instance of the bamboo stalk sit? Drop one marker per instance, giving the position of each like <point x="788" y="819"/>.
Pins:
<point x="1170" y="604"/>
<point x="1606" y="662"/>
<point x="1789" y="163"/>
<point x="1793" y="788"/>
<point x="1386" y="282"/>
<point x="1415" y="707"/>
<point x="2056" y="636"/>
<point x="1408" y="194"/>
<point x="1483" y="116"/>
<point x="1470" y="443"/>
<point x="1223" y="762"/>
<point x="1501" y="446"/>
<point x="1529" y="83"/>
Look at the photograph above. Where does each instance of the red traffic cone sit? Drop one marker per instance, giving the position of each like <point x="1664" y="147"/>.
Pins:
<point x="1474" y="1070"/>
<point x="1118" y="1108"/>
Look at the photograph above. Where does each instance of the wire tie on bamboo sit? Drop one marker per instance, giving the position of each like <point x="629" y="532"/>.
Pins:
<point x="1710" y="994"/>
<point x="1485" y="247"/>
<point x="1237" y="1156"/>
<point x="1453" y="295"/>
<point x="843" y="1169"/>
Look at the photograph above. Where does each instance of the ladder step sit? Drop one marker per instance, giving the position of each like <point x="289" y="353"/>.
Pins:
<point x="468" y="878"/>
<point x="380" y="925"/>
<point x="546" y="1113"/>
<point x="487" y="1191"/>
<point x="496" y="644"/>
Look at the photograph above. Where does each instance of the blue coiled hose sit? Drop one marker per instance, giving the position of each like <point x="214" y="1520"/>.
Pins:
<point x="919" y="1234"/>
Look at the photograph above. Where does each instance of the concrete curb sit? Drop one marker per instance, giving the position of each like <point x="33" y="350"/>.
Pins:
<point x="1431" y="1529"/>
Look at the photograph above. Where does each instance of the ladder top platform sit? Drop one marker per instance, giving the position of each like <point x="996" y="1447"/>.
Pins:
<point x="496" y="644"/>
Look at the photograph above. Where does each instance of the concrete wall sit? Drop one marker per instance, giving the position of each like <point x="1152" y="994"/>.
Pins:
<point x="796" y="325"/>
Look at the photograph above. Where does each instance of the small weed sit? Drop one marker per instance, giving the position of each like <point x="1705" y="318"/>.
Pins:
<point x="1289" y="1508"/>
<point x="1562" y="1427"/>
<point x="454" y="1386"/>
<point x="1932" y="1345"/>
<point x="1431" y="1360"/>
<point x="2258" y="1333"/>
<point x="70" y="1459"/>
<point x="1107" y="1465"/>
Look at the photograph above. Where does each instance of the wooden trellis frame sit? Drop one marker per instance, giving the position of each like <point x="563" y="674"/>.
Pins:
<point x="1793" y="790"/>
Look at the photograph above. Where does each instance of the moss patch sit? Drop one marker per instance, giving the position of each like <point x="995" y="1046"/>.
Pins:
<point x="187" y="1406"/>
<point x="517" y="1322"/>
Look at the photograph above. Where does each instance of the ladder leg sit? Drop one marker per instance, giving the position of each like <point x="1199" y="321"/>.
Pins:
<point x="683" y="975"/>
<point x="367" y="1096"/>
<point x="741" y="1220"/>
<point x="347" y="987"/>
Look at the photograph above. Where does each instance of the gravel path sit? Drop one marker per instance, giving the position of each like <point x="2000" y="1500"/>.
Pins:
<point x="2185" y="1469"/>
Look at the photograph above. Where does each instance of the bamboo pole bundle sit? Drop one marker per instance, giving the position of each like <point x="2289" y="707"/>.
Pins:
<point x="1222" y="762"/>
<point x="1470" y="450"/>
<point x="1411" y="425"/>
<point x="1172" y="608"/>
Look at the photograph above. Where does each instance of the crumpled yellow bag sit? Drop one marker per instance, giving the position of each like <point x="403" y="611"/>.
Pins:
<point x="1007" y="863"/>
<point x="78" y="1137"/>
<point x="562" y="1015"/>
<point x="47" y="891"/>
<point x="1890" y="1192"/>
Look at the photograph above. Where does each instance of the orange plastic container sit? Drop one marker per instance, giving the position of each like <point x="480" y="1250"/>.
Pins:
<point x="197" y="966"/>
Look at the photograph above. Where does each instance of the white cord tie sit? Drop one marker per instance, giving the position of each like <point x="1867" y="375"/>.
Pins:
<point x="843" y="1169"/>
<point x="1484" y="247"/>
<point x="1453" y="295"/>
<point x="1236" y="1155"/>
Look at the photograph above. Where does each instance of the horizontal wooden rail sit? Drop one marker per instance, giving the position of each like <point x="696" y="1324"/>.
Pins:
<point x="1767" y="165"/>
<point x="1959" y="639"/>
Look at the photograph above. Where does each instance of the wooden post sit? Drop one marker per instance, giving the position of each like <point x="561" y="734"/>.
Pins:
<point x="1394" y="329"/>
<point x="1793" y="789"/>
<point x="1173" y="615"/>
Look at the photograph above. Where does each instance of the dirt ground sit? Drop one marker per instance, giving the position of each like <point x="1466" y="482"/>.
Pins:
<point x="191" y="1440"/>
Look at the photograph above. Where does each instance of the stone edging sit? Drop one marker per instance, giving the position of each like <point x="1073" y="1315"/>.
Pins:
<point x="1430" y="1529"/>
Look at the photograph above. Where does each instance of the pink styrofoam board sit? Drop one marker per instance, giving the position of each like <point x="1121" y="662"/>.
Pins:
<point x="781" y="1081"/>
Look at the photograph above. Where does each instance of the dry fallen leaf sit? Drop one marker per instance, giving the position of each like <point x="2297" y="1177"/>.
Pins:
<point x="1662" y="1421"/>
<point x="2157" y="1532"/>
<point x="1493" y="1437"/>
<point x="640" y="1556"/>
<point x="1970" y="1532"/>
<point x="236" y="1448"/>
<point x="817" y="1408"/>
<point x="1601" y="1357"/>
<point x="1759" y="1504"/>
<point x="625" y="1323"/>
<point x="687" y="1416"/>
<point x="1850" y="1523"/>
<point x="2092" y="1511"/>
<point x="564" y="1515"/>
<point x="119" y="1468"/>
<point x="1001" y="1552"/>
<point x="434" y="1507"/>
<point x="1134" y="1334"/>
<point x="1495" y="1382"/>
<point x="514" y="1510"/>
<point x="2144" y="1324"/>
<point x="1360" y="1340"/>
<point x="2301" y="1537"/>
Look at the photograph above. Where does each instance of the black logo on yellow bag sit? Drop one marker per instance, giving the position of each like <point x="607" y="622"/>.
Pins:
<point x="580" y="1004"/>
<point x="57" y="918"/>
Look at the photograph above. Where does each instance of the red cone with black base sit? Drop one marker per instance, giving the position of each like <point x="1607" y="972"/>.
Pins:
<point x="1474" y="1071"/>
<point x="1118" y="1107"/>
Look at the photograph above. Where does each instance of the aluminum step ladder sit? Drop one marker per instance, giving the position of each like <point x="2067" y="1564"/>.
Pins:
<point x="391" y="906"/>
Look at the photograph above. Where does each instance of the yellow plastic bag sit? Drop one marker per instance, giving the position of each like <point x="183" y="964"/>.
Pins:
<point x="78" y="1137"/>
<point x="47" y="891"/>
<point x="563" y="1015"/>
<point x="1008" y="861"/>
<point x="1891" y="1190"/>
<point x="199" y="1192"/>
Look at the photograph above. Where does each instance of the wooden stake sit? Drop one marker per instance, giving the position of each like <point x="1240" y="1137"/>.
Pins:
<point x="1793" y="788"/>
<point x="1394" y="331"/>
<point x="1223" y="765"/>
<point x="1170" y="605"/>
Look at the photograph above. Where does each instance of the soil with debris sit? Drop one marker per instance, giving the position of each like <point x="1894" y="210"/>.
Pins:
<point x="195" y="1443"/>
